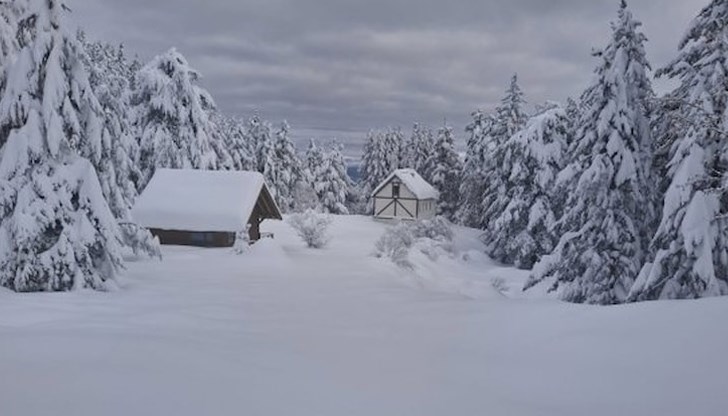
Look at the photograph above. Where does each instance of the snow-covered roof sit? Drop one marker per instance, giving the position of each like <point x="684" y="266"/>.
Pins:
<point x="413" y="181"/>
<point x="199" y="200"/>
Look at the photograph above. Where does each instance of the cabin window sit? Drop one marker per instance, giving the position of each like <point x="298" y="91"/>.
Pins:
<point x="202" y="238"/>
<point x="395" y="190"/>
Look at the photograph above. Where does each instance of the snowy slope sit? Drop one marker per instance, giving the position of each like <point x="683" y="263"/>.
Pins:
<point x="283" y="330"/>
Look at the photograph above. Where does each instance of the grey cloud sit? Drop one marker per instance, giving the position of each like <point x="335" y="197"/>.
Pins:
<point x="347" y="66"/>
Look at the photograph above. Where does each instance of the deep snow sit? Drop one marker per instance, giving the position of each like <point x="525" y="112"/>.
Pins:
<point x="284" y="330"/>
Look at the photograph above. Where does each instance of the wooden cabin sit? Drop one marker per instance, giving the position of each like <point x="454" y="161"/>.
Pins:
<point x="405" y="195"/>
<point x="204" y="208"/>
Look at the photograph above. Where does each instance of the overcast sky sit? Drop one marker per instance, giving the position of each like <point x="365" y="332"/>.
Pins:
<point x="341" y="67"/>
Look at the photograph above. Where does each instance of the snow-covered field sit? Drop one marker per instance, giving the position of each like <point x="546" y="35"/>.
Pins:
<point x="284" y="330"/>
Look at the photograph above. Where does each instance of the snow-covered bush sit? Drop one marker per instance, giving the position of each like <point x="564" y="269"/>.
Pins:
<point x="395" y="244"/>
<point x="311" y="227"/>
<point x="438" y="229"/>
<point x="431" y="237"/>
<point x="499" y="284"/>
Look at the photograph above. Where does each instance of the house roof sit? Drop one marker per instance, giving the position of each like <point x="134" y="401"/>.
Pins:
<point x="199" y="200"/>
<point x="413" y="181"/>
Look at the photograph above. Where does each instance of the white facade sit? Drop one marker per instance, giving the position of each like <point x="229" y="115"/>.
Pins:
<point x="405" y="195"/>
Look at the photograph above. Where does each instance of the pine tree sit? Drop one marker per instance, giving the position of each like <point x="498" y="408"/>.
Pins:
<point x="472" y="178"/>
<point x="689" y="253"/>
<point x="510" y="115"/>
<point x="332" y="183"/>
<point x="572" y="113"/>
<point x="10" y="12"/>
<point x="173" y="117"/>
<point x="522" y="227"/>
<point x="304" y="193"/>
<point x="110" y="77"/>
<point x="408" y="156"/>
<point x="287" y="172"/>
<point x="604" y="236"/>
<point x="57" y="232"/>
<point x="444" y="171"/>
<point x="261" y="136"/>
<point x="509" y="119"/>
<point x="394" y="143"/>
<point x="418" y="148"/>
<point x="314" y="157"/>
<point x="375" y="165"/>
<point x="236" y="141"/>
<point x="424" y="147"/>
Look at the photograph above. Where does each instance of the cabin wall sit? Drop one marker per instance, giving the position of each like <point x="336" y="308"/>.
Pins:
<point x="427" y="209"/>
<point x="196" y="239"/>
<point x="404" y="192"/>
<point x="405" y="207"/>
<point x="383" y="207"/>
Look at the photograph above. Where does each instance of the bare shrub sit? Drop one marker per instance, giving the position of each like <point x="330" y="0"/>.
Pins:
<point x="312" y="227"/>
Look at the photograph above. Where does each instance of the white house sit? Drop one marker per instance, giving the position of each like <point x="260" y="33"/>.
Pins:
<point x="204" y="208"/>
<point x="405" y="195"/>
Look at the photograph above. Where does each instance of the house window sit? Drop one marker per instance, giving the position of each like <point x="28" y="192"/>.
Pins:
<point x="395" y="190"/>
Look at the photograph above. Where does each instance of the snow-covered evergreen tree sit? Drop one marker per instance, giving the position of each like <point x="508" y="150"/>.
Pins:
<point x="394" y="143"/>
<point x="408" y="156"/>
<point x="443" y="167"/>
<point x="56" y="229"/>
<point x="305" y="193"/>
<point x="510" y="117"/>
<point x="287" y="171"/>
<point x="472" y="177"/>
<point x="314" y="157"/>
<point x="604" y="228"/>
<point x="668" y="126"/>
<point x="375" y="164"/>
<point x="689" y="253"/>
<point x="522" y="227"/>
<point x="9" y="15"/>
<point x="237" y="143"/>
<point x="418" y="148"/>
<point x="332" y="182"/>
<point x="573" y="114"/>
<point x="111" y="76"/>
<point x="261" y="136"/>
<point x="173" y="117"/>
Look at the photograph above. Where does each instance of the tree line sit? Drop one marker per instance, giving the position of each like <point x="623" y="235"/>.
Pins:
<point x="619" y="196"/>
<point x="83" y="127"/>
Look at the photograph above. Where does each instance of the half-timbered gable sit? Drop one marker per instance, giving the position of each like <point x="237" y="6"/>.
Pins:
<point x="405" y="195"/>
